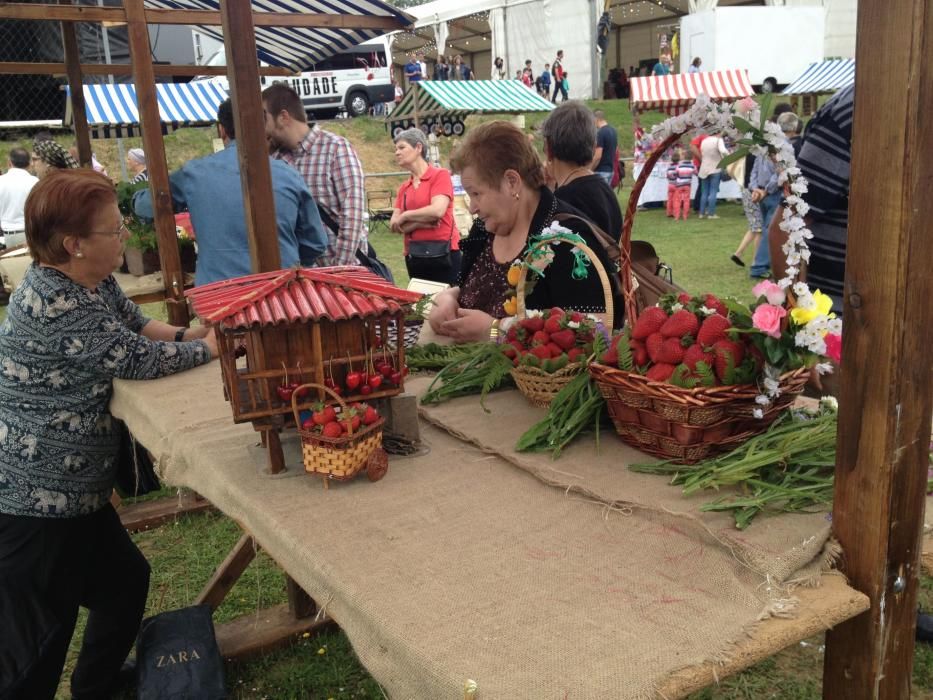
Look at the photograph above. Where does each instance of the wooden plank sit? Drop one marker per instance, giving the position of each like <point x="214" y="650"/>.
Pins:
<point x="151" y="514"/>
<point x="156" y="166"/>
<point x="49" y="12"/>
<point x="252" y="147"/>
<point x="300" y="603"/>
<point x="161" y="69"/>
<point x="926" y="556"/>
<point x="228" y="573"/>
<point x="887" y="392"/>
<point x="75" y="82"/>
<point x="264" y="631"/>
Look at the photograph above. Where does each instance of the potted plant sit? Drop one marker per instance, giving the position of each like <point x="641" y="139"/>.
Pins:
<point x="142" y="251"/>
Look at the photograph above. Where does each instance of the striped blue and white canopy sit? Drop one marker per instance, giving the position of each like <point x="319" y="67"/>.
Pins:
<point x="824" y="76"/>
<point x="462" y="97"/>
<point x="112" y="109"/>
<point x="298" y="48"/>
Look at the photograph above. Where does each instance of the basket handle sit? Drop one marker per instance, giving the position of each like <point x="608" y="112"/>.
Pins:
<point x="628" y="289"/>
<point x="601" y="271"/>
<point x="311" y="385"/>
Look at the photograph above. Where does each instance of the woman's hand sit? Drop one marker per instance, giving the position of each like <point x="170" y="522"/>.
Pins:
<point x="445" y="309"/>
<point x="470" y="326"/>
<point x="211" y="339"/>
<point x="197" y="333"/>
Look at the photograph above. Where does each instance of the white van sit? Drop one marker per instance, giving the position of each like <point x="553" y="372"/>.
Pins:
<point x="350" y="81"/>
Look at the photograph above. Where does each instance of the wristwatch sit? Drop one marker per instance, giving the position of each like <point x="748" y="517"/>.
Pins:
<point x="180" y="335"/>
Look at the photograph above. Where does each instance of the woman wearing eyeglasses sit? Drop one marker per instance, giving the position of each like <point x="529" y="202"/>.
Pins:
<point x="49" y="156"/>
<point x="68" y="333"/>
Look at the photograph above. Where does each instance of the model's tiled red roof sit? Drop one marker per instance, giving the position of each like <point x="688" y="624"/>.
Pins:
<point x="306" y="294"/>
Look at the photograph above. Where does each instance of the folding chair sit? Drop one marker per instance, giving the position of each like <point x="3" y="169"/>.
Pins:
<point x="379" y="206"/>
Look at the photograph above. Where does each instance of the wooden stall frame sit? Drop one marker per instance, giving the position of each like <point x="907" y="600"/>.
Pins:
<point x="240" y="637"/>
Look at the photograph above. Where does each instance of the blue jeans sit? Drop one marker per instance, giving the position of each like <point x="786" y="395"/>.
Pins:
<point x="709" y="190"/>
<point x="607" y="176"/>
<point x="762" y="262"/>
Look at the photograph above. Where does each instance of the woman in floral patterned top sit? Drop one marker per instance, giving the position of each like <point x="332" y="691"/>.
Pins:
<point x="504" y="179"/>
<point x="69" y="332"/>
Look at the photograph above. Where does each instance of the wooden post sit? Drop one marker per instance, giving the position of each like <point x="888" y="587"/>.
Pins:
<point x="885" y="402"/>
<point x="228" y="573"/>
<point x="251" y="144"/>
<point x="75" y="82"/>
<point x="416" y="89"/>
<point x="151" y="126"/>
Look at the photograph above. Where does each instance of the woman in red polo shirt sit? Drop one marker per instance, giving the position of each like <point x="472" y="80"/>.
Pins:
<point x="424" y="213"/>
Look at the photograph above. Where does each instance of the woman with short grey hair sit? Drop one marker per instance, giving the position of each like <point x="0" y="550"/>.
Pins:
<point x="569" y="134"/>
<point x="424" y="213"/>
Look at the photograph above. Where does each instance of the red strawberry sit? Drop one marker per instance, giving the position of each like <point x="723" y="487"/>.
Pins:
<point x="671" y="353"/>
<point x="332" y="430"/>
<point x="565" y="339"/>
<point x="684" y="298"/>
<point x="653" y="345"/>
<point x="660" y="372"/>
<point x="576" y="316"/>
<point x="680" y="323"/>
<point x="370" y="416"/>
<point x="713" y="329"/>
<point x="509" y="351"/>
<point x="574" y="354"/>
<point x="639" y="352"/>
<point x="610" y="357"/>
<point x="711" y="301"/>
<point x="556" y="311"/>
<point x="540" y="338"/>
<point x="726" y="352"/>
<point x="541" y="352"/>
<point x="555" y="349"/>
<point x="517" y="345"/>
<point x="532" y="324"/>
<point x="552" y="325"/>
<point x="753" y="350"/>
<point x="694" y="354"/>
<point x="650" y="321"/>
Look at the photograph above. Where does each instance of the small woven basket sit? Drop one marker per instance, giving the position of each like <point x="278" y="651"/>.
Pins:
<point x="685" y="425"/>
<point x="339" y="458"/>
<point x="411" y="334"/>
<point x="538" y="386"/>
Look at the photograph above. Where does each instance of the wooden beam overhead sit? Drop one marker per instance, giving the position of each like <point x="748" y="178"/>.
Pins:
<point x="79" y="13"/>
<point x="127" y="69"/>
<point x="73" y="66"/>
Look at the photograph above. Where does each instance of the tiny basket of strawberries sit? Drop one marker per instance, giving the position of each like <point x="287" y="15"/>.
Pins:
<point x="693" y="377"/>
<point x="338" y="442"/>
<point x="550" y="348"/>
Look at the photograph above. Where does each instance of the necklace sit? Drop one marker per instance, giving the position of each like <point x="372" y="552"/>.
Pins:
<point x="571" y="173"/>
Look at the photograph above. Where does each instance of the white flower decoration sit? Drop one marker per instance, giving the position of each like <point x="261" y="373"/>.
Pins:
<point x="758" y="413"/>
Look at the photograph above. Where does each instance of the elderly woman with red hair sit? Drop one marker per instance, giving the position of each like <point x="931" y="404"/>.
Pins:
<point x="68" y="333"/>
<point x="504" y="179"/>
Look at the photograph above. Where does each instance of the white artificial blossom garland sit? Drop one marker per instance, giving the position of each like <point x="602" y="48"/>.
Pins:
<point x="718" y="118"/>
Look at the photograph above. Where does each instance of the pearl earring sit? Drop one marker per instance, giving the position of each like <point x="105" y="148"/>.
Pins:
<point x="516" y="195"/>
<point x="79" y="254"/>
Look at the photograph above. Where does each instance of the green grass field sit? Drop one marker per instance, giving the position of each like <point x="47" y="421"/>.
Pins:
<point x="184" y="554"/>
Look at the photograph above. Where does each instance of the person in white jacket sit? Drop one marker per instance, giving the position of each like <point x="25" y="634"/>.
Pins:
<point x="712" y="150"/>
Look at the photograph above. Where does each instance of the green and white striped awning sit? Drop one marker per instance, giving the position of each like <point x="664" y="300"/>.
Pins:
<point x="458" y="98"/>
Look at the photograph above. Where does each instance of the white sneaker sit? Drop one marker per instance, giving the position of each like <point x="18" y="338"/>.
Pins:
<point x="712" y="216"/>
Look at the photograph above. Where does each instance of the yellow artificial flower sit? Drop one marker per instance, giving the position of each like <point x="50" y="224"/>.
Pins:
<point x="511" y="306"/>
<point x="821" y="307"/>
<point x="513" y="274"/>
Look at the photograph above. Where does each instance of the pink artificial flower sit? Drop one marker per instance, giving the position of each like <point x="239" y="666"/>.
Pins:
<point x="833" y="347"/>
<point x="771" y="291"/>
<point x="767" y="319"/>
<point x="745" y="106"/>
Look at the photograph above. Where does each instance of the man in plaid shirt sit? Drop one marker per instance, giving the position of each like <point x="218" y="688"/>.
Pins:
<point x="329" y="166"/>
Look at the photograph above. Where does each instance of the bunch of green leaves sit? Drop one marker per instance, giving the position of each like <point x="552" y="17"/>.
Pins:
<point x="753" y="135"/>
<point x="432" y="356"/>
<point x="788" y="468"/>
<point x="142" y="233"/>
<point x="419" y="311"/>
<point x="482" y="370"/>
<point x="576" y="408"/>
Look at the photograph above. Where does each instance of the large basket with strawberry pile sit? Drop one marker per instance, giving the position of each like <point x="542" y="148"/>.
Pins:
<point x="556" y="341"/>
<point x="683" y="388"/>
<point x="681" y="383"/>
<point x="338" y="442"/>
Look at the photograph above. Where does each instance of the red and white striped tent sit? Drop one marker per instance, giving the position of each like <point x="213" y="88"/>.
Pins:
<point x="675" y="94"/>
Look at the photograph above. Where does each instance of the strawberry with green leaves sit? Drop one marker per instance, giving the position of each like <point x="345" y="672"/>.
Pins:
<point x="681" y="323"/>
<point x="712" y="330"/>
<point x="649" y="321"/>
<point x="728" y="354"/>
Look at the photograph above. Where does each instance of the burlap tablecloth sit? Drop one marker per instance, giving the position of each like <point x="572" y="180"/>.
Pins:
<point x="459" y="566"/>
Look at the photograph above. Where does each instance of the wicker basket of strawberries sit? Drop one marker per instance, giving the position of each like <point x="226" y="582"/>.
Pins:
<point x="681" y="382"/>
<point x="548" y="349"/>
<point x="337" y="443"/>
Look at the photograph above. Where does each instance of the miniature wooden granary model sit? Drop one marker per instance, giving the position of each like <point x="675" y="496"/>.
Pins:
<point x="278" y="330"/>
